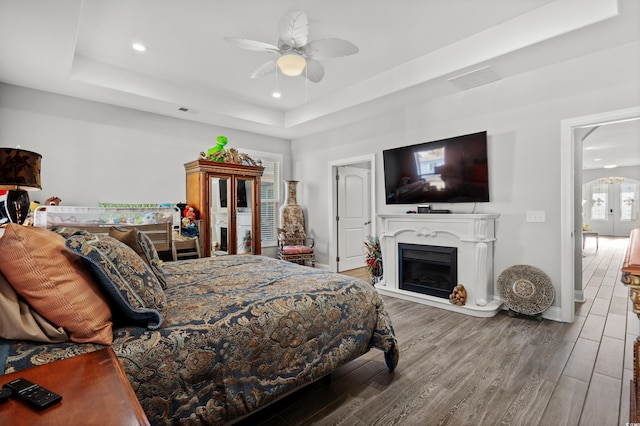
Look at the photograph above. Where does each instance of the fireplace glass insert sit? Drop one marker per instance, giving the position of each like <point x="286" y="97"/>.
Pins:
<point x="426" y="269"/>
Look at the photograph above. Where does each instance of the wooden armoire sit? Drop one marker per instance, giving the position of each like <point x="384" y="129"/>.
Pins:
<point x="226" y="197"/>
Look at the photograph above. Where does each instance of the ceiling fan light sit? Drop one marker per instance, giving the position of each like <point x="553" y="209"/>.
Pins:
<point x="291" y="64"/>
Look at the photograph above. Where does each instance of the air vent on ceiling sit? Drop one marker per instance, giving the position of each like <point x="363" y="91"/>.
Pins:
<point x="475" y="78"/>
<point x="188" y="110"/>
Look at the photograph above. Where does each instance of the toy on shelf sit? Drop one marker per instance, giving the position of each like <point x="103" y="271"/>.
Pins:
<point x="52" y="201"/>
<point x="189" y="227"/>
<point x="150" y="218"/>
<point x="217" y="152"/>
<point x="221" y="155"/>
<point x="50" y="215"/>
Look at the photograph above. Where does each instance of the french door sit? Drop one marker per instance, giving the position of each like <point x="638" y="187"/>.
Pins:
<point x="610" y="206"/>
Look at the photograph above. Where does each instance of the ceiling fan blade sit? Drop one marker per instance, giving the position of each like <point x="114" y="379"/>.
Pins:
<point x="265" y="69"/>
<point x="314" y="71"/>
<point x="257" y="46"/>
<point x="293" y="29"/>
<point x="329" y="48"/>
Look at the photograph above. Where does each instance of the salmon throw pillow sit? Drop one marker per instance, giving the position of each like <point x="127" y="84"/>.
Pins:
<point x="55" y="282"/>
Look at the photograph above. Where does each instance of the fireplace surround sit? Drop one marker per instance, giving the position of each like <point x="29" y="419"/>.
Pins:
<point x="470" y="236"/>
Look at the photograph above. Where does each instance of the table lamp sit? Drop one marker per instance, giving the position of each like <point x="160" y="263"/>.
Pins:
<point x="19" y="173"/>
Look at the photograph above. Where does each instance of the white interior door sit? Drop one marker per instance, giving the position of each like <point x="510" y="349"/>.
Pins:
<point x="354" y="216"/>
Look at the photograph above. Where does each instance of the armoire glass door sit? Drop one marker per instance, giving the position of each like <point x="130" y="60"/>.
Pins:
<point x="244" y="216"/>
<point x="219" y="214"/>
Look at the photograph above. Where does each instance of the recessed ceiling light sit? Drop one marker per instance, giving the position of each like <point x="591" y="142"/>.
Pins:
<point x="610" y="166"/>
<point x="139" y="47"/>
<point x="276" y="94"/>
<point x="597" y="159"/>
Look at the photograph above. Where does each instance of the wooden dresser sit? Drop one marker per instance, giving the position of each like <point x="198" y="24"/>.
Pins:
<point x="631" y="278"/>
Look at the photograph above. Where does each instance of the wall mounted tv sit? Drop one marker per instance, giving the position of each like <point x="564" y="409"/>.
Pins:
<point x="452" y="170"/>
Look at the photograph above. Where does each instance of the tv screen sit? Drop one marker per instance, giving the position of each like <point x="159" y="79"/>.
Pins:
<point x="452" y="170"/>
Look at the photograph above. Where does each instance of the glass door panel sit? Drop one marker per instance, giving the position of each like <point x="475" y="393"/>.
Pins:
<point x="219" y="214"/>
<point x="244" y="216"/>
<point x="599" y="202"/>
<point x="626" y="193"/>
<point x="628" y="201"/>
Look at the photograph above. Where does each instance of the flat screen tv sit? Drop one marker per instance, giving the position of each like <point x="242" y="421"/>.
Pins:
<point x="452" y="170"/>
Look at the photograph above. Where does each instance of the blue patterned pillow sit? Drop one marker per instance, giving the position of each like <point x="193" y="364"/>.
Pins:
<point x="132" y="289"/>
<point x="143" y="246"/>
<point x="67" y="231"/>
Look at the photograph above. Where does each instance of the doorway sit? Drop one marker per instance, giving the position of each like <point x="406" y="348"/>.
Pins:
<point x="571" y="203"/>
<point x="352" y="210"/>
<point x="610" y="205"/>
<point x="353" y="218"/>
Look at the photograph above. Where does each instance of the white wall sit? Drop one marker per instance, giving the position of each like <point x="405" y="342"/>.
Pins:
<point x="93" y="152"/>
<point x="522" y="116"/>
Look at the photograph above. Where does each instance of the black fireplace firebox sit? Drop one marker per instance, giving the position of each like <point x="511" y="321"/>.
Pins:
<point x="425" y="269"/>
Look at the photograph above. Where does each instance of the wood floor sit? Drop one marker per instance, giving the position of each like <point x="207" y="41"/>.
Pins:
<point x="460" y="370"/>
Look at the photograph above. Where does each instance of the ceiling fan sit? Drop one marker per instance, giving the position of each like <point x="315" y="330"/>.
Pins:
<point x="298" y="55"/>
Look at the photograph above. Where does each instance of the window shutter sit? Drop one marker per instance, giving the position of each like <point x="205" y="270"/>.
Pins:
<point x="270" y="201"/>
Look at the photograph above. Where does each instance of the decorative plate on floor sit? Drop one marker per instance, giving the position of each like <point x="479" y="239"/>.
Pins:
<point x="525" y="289"/>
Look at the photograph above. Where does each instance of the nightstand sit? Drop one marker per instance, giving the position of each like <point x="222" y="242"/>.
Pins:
<point x="94" y="390"/>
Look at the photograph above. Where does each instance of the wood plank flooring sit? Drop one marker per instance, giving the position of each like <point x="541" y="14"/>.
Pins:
<point x="460" y="370"/>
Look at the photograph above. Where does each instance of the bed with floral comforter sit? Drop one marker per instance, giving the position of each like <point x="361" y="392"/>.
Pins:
<point x="237" y="333"/>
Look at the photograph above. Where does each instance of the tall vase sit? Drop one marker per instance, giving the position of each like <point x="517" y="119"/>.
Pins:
<point x="291" y="215"/>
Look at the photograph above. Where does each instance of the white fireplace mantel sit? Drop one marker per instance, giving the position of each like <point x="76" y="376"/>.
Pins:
<point x="472" y="234"/>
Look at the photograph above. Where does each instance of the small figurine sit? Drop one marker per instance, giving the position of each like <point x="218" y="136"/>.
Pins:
<point x="459" y="295"/>
<point x="52" y="201"/>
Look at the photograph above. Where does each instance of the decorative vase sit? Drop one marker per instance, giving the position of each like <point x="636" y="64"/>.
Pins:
<point x="18" y="205"/>
<point x="291" y="215"/>
<point x="376" y="273"/>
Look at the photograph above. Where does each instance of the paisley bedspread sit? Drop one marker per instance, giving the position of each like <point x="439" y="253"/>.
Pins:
<point x="238" y="333"/>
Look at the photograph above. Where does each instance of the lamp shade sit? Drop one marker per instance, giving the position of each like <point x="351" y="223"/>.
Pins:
<point x="291" y="64"/>
<point x="19" y="169"/>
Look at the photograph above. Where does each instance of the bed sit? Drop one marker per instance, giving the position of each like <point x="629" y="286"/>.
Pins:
<point x="233" y="334"/>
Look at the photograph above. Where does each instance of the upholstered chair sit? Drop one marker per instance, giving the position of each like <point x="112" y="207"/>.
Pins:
<point x="294" y="246"/>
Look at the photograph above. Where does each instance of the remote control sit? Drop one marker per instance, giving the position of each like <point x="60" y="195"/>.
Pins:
<point x="4" y="395"/>
<point x="35" y="395"/>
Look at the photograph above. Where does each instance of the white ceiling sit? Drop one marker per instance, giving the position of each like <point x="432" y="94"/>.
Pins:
<point x="615" y="144"/>
<point x="82" y="49"/>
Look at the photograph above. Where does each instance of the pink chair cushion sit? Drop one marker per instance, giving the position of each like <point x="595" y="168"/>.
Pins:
<point x="297" y="250"/>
